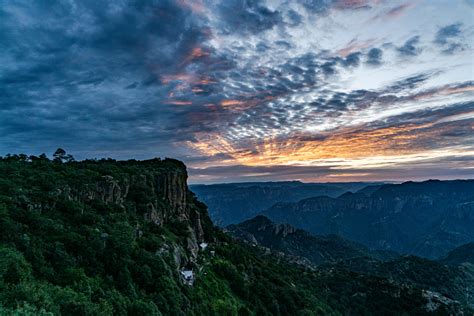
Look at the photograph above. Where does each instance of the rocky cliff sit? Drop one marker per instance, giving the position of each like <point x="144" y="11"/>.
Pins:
<point x="158" y="193"/>
<point x="105" y="237"/>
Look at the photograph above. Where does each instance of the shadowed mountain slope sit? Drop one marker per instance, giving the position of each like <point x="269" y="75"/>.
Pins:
<point x="426" y="218"/>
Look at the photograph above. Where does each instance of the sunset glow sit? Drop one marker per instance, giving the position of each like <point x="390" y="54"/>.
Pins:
<point x="338" y="90"/>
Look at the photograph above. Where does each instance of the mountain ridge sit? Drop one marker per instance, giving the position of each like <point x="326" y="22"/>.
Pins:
<point x="300" y="243"/>
<point x="231" y="203"/>
<point x="106" y="237"/>
<point x="329" y="253"/>
<point x="427" y="218"/>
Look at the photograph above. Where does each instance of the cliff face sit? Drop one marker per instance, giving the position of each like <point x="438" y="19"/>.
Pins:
<point x="105" y="237"/>
<point x="167" y="196"/>
<point x="166" y="187"/>
<point x="156" y="190"/>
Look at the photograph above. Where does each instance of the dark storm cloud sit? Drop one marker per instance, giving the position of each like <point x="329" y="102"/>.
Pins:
<point x="329" y="68"/>
<point x="352" y="60"/>
<point x="410" y="47"/>
<point x="140" y="78"/>
<point x="316" y="6"/>
<point x="374" y="57"/>
<point x="323" y="6"/>
<point x="447" y="33"/>
<point x="294" y="18"/>
<point x="248" y="16"/>
<point x="409" y="82"/>
<point x="428" y="116"/>
<point x="448" y="38"/>
<point x="86" y="73"/>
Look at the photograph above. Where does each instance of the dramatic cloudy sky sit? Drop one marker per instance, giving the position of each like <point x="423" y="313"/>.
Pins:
<point x="242" y="90"/>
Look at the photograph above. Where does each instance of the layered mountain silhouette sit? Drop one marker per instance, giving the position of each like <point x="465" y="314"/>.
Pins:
<point x="106" y="237"/>
<point x="461" y="255"/>
<point x="427" y="218"/>
<point x="297" y="242"/>
<point x="232" y="203"/>
<point x="451" y="277"/>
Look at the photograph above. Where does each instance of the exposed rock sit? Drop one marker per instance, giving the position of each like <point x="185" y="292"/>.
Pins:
<point x="436" y="300"/>
<point x="167" y="194"/>
<point x="173" y="188"/>
<point x="153" y="215"/>
<point x="109" y="190"/>
<point x="284" y="229"/>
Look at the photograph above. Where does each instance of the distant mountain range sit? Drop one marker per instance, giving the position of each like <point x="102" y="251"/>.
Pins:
<point x="299" y="243"/>
<point x="452" y="276"/>
<point x="232" y="203"/>
<point x="106" y="237"/>
<point x="461" y="255"/>
<point x="427" y="218"/>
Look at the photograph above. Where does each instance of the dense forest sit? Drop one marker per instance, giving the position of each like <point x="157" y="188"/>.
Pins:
<point x="106" y="237"/>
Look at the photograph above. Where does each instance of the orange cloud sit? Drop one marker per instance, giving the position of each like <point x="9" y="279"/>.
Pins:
<point x="196" y="53"/>
<point x="178" y="102"/>
<point x="354" y="46"/>
<point x="231" y="102"/>
<point x="354" y="147"/>
<point x="394" y="12"/>
<point x="184" y="77"/>
<point x="443" y="91"/>
<point x="196" y="6"/>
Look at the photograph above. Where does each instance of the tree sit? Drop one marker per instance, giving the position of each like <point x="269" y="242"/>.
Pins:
<point x="61" y="156"/>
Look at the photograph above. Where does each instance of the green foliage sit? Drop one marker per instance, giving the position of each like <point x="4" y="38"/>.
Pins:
<point x="66" y="250"/>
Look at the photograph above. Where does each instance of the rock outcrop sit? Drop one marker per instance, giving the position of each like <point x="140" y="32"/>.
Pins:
<point x="159" y="193"/>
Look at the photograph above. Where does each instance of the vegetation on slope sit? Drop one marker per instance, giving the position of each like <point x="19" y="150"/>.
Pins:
<point x="105" y="237"/>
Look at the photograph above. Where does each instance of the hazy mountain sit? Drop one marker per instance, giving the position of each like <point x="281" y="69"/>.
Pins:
<point x="335" y="255"/>
<point x="233" y="203"/>
<point x="460" y="255"/>
<point x="297" y="242"/>
<point x="426" y="218"/>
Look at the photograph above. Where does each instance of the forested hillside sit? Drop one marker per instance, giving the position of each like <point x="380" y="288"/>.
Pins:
<point x="105" y="237"/>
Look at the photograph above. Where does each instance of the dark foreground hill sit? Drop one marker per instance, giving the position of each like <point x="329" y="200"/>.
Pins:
<point x="333" y="253"/>
<point x="232" y="203"/>
<point x="426" y="219"/>
<point x="129" y="238"/>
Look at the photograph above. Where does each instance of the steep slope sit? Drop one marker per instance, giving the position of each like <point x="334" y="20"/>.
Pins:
<point x="426" y="219"/>
<point x="332" y="253"/>
<point x="435" y="278"/>
<point x="460" y="255"/>
<point x="104" y="237"/>
<point x="233" y="203"/>
<point x="296" y="242"/>
<point x="455" y="227"/>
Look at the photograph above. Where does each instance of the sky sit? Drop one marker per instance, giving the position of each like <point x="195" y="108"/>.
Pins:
<point x="245" y="90"/>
